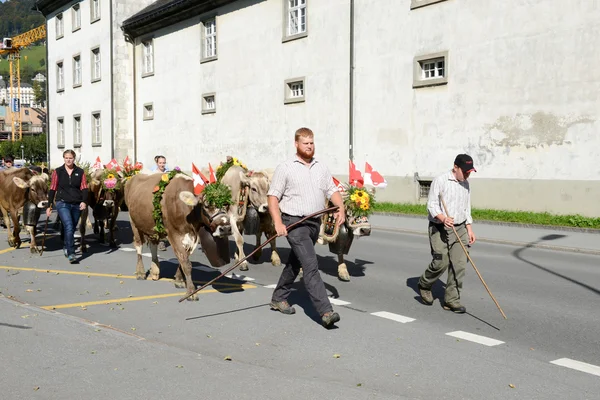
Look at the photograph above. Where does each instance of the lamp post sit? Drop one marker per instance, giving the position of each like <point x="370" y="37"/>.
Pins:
<point x="22" y="152"/>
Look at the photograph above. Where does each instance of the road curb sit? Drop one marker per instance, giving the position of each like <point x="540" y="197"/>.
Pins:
<point x="499" y="241"/>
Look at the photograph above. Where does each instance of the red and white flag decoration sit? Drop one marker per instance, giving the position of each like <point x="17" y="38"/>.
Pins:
<point x="138" y="165"/>
<point x="374" y="178"/>
<point x="212" y="174"/>
<point x="339" y="185"/>
<point x="200" y="180"/>
<point x="97" y="164"/>
<point x="126" y="162"/>
<point x="113" y="164"/>
<point x="354" y="176"/>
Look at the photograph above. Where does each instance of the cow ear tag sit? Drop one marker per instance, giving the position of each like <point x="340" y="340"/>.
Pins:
<point x="188" y="198"/>
<point x="20" y="182"/>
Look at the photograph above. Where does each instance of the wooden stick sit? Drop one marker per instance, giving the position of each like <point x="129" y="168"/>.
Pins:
<point x="471" y="260"/>
<point x="326" y="210"/>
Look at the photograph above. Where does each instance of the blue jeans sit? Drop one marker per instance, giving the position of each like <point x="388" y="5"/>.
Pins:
<point x="69" y="215"/>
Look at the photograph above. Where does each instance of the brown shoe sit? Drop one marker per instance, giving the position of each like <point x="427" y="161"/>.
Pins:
<point x="330" y="318"/>
<point x="426" y="296"/>
<point x="455" y="307"/>
<point x="282" y="306"/>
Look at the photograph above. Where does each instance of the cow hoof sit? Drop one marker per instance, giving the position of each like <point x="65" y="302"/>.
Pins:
<point x="33" y="250"/>
<point x="17" y="245"/>
<point x="343" y="274"/>
<point x="244" y="266"/>
<point x="193" y="297"/>
<point x="320" y="240"/>
<point x="11" y="242"/>
<point x="179" y="284"/>
<point x="275" y="260"/>
<point x="300" y="274"/>
<point x="140" y="276"/>
<point x="153" y="277"/>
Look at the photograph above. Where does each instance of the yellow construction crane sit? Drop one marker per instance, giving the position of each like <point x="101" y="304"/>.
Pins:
<point x="12" y="47"/>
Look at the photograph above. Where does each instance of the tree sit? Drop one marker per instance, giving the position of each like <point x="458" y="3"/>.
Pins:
<point x="34" y="148"/>
<point x="39" y="91"/>
<point x="42" y="62"/>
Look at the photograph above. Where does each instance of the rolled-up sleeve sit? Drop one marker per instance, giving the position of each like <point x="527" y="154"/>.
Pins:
<point x="277" y="185"/>
<point x="433" y="201"/>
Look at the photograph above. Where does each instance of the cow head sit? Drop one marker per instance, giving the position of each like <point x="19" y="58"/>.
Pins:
<point x="360" y="226"/>
<point x="258" y="184"/>
<point x="109" y="188"/>
<point x="214" y="218"/>
<point x="355" y="199"/>
<point x="36" y="189"/>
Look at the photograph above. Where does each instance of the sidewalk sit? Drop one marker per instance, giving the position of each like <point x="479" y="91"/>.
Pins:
<point x="563" y="239"/>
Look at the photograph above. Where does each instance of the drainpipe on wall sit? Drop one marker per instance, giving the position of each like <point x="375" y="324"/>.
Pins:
<point x="112" y="84"/>
<point x="134" y="101"/>
<point x="47" y="83"/>
<point x="351" y="100"/>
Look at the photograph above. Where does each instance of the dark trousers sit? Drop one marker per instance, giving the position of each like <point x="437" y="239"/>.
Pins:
<point x="69" y="215"/>
<point x="302" y="241"/>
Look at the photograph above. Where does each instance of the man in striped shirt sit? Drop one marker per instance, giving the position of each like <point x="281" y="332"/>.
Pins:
<point x="299" y="188"/>
<point x="446" y="250"/>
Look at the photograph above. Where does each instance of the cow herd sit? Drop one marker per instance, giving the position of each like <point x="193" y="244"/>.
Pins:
<point x="167" y="206"/>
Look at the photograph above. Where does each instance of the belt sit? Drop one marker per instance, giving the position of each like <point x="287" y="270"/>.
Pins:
<point x="318" y="218"/>
<point x="441" y="224"/>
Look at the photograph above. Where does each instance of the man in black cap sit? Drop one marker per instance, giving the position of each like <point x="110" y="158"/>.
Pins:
<point x="445" y="247"/>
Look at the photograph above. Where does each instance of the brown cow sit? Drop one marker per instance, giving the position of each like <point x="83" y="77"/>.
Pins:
<point x="17" y="187"/>
<point x="186" y="219"/>
<point x="249" y="190"/>
<point x="105" y="205"/>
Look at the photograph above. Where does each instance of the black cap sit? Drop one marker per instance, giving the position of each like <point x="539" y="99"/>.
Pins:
<point x="465" y="163"/>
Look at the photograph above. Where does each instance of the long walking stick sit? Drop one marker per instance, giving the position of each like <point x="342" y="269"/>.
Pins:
<point x="471" y="260"/>
<point x="44" y="238"/>
<point x="326" y="210"/>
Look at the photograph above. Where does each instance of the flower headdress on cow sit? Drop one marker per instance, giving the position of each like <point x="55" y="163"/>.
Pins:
<point x="111" y="179"/>
<point x="129" y="169"/>
<point x="224" y="167"/>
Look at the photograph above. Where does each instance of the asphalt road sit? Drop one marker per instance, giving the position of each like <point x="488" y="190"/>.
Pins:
<point x="91" y="330"/>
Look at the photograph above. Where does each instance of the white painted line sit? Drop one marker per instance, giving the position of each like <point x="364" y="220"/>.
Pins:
<point x="578" y="365"/>
<point x="127" y="249"/>
<point x="147" y="254"/>
<point x="393" y="317"/>
<point x="475" y="338"/>
<point x="339" y="302"/>
<point x="242" y="277"/>
<point x="273" y="286"/>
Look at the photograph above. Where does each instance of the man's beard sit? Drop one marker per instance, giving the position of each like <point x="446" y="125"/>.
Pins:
<point x="306" y="153"/>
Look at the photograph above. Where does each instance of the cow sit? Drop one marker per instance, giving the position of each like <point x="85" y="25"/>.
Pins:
<point x="187" y="221"/>
<point x="105" y="204"/>
<point x="249" y="191"/>
<point x="18" y="188"/>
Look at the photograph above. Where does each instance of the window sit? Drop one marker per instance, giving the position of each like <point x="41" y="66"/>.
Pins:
<point x="424" y="187"/>
<point x="77" y="130"/>
<point x="430" y="70"/>
<point x="60" y="27"/>
<point x="148" y="58"/>
<point x="295" y="18"/>
<point x="209" y="40"/>
<point x="96" y="129"/>
<point x="422" y="3"/>
<point x="76" y="15"/>
<point x="95" y="11"/>
<point x="209" y="104"/>
<point x="60" y="132"/>
<point x="96" y="64"/>
<point x="77" y="71"/>
<point x="60" y="77"/>
<point x="148" y="111"/>
<point x="294" y="90"/>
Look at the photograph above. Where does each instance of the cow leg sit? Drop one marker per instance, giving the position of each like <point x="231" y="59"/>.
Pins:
<point x="111" y="228"/>
<point x="183" y="256"/>
<point x="16" y="230"/>
<point x="239" y="241"/>
<point x="6" y="219"/>
<point x="82" y="226"/>
<point x="343" y="274"/>
<point x="275" y="260"/>
<point x="257" y="255"/>
<point x="32" y="244"/>
<point x="154" y="267"/>
<point x="102" y="233"/>
<point x="179" y="283"/>
<point x="140" y="272"/>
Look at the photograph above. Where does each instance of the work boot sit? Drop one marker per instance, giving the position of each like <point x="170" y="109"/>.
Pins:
<point x="426" y="296"/>
<point x="282" y="306"/>
<point x="330" y="318"/>
<point x="456" y="307"/>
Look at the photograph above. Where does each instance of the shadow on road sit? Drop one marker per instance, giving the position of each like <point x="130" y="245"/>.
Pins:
<point x="518" y="254"/>
<point x="14" y="326"/>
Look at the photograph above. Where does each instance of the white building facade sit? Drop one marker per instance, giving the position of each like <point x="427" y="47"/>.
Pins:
<point x="404" y="84"/>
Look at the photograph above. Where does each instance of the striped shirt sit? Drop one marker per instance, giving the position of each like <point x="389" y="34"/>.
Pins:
<point x="457" y="196"/>
<point x="301" y="189"/>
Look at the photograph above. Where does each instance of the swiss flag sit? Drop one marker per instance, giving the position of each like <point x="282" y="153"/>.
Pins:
<point x="126" y="162"/>
<point x="97" y="164"/>
<point x="374" y="178"/>
<point x="138" y="165"/>
<point x="354" y="176"/>
<point x="199" y="180"/>
<point x="113" y="164"/>
<point x="339" y="185"/>
<point x="212" y="174"/>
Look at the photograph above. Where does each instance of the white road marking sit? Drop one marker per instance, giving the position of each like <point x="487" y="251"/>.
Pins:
<point x="273" y="286"/>
<point x="393" y="317"/>
<point x="242" y="277"/>
<point x="475" y="338"/>
<point x="577" y="365"/>
<point x="339" y="302"/>
<point x="147" y="255"/>
<point x="127" y="249"/>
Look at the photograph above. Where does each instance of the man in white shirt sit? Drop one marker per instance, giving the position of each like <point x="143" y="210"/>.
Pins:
<point x="445" y="247"/>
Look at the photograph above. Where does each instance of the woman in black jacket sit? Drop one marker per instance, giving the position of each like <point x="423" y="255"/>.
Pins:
<point x="69" y="187"/>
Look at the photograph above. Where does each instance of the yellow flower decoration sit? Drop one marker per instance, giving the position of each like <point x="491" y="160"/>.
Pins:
<point x="353" y="197"/>
<point x="110" y="176"/>
<point x="165" y="177"/>
<point x="364" y="207"/>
